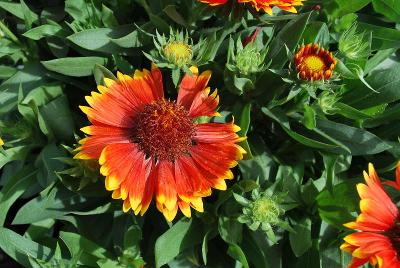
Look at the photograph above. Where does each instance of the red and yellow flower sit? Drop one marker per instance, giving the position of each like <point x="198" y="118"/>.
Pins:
<point x="148" y="145"/>
<point x="378" y="239"/>
<point x="266" y="5"/>
<point x="314" y="62"/>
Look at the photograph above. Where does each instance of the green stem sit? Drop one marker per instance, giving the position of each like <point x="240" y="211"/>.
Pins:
<point x="8" y="33"/>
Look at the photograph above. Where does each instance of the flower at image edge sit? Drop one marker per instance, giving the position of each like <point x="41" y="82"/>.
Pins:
<point x="148" y="145"/>
<point x="378" y="239"/>
<point x="266" y="5"/>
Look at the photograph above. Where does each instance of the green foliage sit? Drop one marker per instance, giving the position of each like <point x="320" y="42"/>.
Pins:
<point x="307" y="143"/>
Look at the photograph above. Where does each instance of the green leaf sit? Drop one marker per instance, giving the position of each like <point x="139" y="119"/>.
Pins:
<point x="172" y="12"/>
<point x="74" y="66"/>
<point x="242" y="116"/>
<point x="13" y="154"/>
<point x="350" y="112"/>
<point x="58" y="118"/>
<point x="47" y="164"/>
<point x="358" y="141"/>
<point x="76" y="243"/>
<point x="386" y="82"/>
<point x="15" y="187"/>
<point x="309" y="119"/>
<point x="335" y="206"/>
<point x="237" y="253"/>
<point x="100" y="39"/>
<point x="382" y="37"/>
<point x="300" y="240"/>
<point x="230" y="230"/>
<point x="17" y="10"/>
<point x="43" y="31"/>
<point x="20" y="248"/>
<point x="388" y="8"/>
<point x="289" y="37"/>
<point x="343" y="7"/>
<point x="54" y="202"/>
<point x="179" y="237"/>
<point x="100" y="72"/>
<point x="317" y="32"/>
<point x="6" y="71"/>
<point x="281" y="119"/>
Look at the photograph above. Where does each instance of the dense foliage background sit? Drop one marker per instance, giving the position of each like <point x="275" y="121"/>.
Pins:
<point x="307" y="143"/>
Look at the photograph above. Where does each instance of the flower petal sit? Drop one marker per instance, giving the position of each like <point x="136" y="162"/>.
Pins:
<point x="191" y="85"/>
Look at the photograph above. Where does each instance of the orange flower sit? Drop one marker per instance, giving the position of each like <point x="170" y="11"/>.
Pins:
<point x="266" y="5"/>
<point x="395" y="184"/>
<point x="378" y="239"/>
<point x="314" y="62"/>
<point x="148" y="145"/>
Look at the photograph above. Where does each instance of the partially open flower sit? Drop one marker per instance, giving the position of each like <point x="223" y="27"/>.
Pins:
<point x="178" y="52"/>
<point x="314" y="63"/>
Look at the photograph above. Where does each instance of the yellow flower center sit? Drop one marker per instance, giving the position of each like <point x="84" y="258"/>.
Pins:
<point x="178" y="52"/>
<point x="314" y="63"/>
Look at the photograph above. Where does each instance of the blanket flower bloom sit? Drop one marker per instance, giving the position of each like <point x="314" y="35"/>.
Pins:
<point x="266" y="5"/>
<point x="149" y="145"/>
<point x="314" y="62"/>
<point x="378" y="239"/>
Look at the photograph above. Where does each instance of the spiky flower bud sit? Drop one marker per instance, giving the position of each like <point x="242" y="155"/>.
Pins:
<point x="266" y="209"/>
<point x="263" y="211"/>
<point x="246" y="59"/>
<point x="327" y="101"/>
<point x="178" y="53"/>
<point x="175" y="51"/>
<point x="249" y="60"/>
<point x="354" y="45"/>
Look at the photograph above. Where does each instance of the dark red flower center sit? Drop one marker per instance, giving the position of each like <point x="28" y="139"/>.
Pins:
<point x="164" y="130"/>
<point x="394" y="235"/>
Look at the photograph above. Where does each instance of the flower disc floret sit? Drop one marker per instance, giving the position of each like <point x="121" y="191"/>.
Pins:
<point x="314" y="62"/>
<point x="178" y="53"/>
<point x="164" y="130"/>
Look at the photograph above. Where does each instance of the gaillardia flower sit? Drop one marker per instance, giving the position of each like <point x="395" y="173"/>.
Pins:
<point x="314" y="63"/>
<point x="148" y="145"/>
<point x="378" y="239"/>
<point x="266" y="5"/>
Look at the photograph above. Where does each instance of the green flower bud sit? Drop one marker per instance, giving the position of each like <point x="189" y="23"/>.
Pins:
<point x="178" y="53"/>
<point x="355" y="45"/>
<point x="246" y="60"/>
<point x="327" y="101"/>
<point x="249" y="60"/>
<point x="265" y="210"/>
